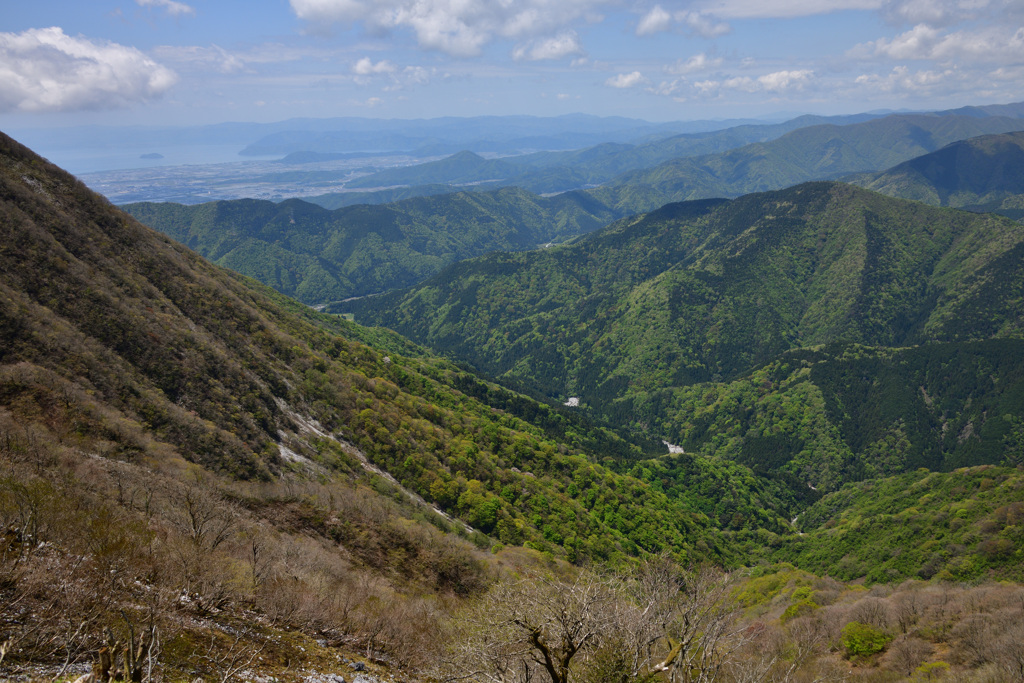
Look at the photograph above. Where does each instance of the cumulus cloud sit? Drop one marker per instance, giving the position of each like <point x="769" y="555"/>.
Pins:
<point x="784" y="80"/>
<point x="986" y="45"/>
<point x="175" y="9"/>
<point x="365" y="70"/>
<point x="564" y="44"/>
<point x="698" y="62"/>
<point x="366" y="67"/>
<point x="457" y="27"/>
<point x="626" y="80"/>
<point x="655" y="21"/>
<point x="903" y="80"/>
<point x="658" y="20"/>
<point x="669" y="88"/>
<point x="46" y="70"/>
<point x="776" y="82"/>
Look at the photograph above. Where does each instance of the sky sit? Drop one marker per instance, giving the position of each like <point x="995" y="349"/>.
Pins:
<point x="69" y="62"/>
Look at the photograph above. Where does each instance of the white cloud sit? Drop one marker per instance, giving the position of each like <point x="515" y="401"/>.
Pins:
<point x="626" y="80"/>
<point x="784" y="80"/>
<point x="563" y="45"/>
<point x="703" y="25"/>
<point x="457" y="27"/>
<point x="986" y="46"/>
<point x="698" y="62"/>
<point x="659" y="20"/>
<point x="904" y="81"/>
<point x="668" y="88"/>
<point x="46" y="70"/>
<point x="365" y="70"/>
<point x="366" y="67"/>
<point x="775" y="82"/>
<point x="175" y="9"/>
<point x="655" y="21"/>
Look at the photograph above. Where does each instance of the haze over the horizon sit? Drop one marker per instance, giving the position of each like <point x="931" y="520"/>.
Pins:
<point x="199" y="61"/>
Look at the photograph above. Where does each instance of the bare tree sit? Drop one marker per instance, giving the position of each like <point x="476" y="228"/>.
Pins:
<point x="703" y="633"/>
<point x="660" y="621"/>
<point x="532" y="628"/>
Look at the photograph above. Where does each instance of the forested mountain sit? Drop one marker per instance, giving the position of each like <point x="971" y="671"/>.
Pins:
<point x="318" y="255"/>
<point x="674" y="323"/>
<point x="812" y="153"/>
<point x="980" y="174"/>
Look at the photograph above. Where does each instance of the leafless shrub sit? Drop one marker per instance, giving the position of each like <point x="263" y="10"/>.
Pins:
<point x="872" y="610"/>
<point x="906" y="653"/>
<point x="973" y="636"/>
<point x="1008" y="652"/>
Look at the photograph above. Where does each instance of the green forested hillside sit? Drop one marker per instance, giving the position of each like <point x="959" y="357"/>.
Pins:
<point x="959" y="525"/>
<point x="849" y="412"/>
<point x="317" y="255"/>
<point x="813" y="153"/>
<point x="980" y="174"/>
<point x="674" y="322"/>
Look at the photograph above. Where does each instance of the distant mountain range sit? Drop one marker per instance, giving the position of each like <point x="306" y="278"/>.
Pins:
<point x="318" y="256"/>
<point x="505" y="134"/>
<point x="725" y="163"/>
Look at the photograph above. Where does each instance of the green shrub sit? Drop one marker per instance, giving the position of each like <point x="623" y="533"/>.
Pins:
<point x="798" y="609"/>
<point x="863" y="640"/>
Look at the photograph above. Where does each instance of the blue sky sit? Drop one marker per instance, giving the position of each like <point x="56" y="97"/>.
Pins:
<point x="208" y="61"/>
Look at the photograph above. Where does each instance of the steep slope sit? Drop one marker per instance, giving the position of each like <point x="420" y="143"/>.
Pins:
<point x="812" y="153"/>
<point x="704" y="291"/>
<point x="317" y="255"/>
<point x="980" y="174"/>
<point x="132" y="346"/>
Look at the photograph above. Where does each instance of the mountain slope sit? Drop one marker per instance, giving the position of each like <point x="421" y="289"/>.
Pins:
<point x="813" y="153"/>
<point x="700" y="292"/>
<point x="980" y="174"/>
<point x="131" y="346"/>
<point x="317" y="255"/>
<point x="710" y="287"/>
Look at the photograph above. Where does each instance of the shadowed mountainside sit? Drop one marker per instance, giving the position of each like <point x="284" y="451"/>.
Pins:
<point x="981" y="174"/>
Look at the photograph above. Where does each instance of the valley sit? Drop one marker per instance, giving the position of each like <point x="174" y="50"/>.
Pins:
<point x="789" y="422"/>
